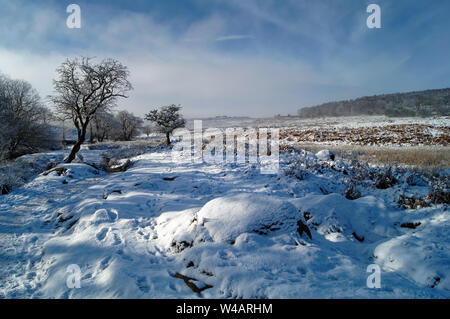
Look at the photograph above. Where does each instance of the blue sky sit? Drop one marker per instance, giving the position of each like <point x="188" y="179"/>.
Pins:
<point x="235" y="57"/>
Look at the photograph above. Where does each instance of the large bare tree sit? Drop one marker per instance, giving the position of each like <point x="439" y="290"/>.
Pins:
<point x="84" y="88"/>
<point x="167" y="119"/>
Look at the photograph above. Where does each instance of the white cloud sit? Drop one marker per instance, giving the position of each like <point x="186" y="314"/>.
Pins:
<point x="206" y="84"/>
<point x="37" y="69"/>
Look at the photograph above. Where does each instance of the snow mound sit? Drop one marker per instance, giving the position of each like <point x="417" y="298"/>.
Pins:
<point x="226" y="218"/>
<point x="78" y="170"/>
<point x="101" y="216"/>
<point x="325" y="155"/>
<point x="73" y="171"/>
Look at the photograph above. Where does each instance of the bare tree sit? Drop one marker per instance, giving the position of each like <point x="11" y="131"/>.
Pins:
<point x="84" y="88"/>
<point x="167" y="119"/>
<point x="147" y="130"/>
<point x="104" y="124"/>
<point x="129" y="125"/>
<point x="24" y="119"/>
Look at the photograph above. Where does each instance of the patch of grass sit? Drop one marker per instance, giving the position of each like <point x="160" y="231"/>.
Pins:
<point x="422" y="158"/>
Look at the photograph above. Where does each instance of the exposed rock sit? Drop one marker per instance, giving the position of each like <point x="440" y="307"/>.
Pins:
<point x="351" y="192"/>
<point x="436" y="281"/>
<point x="302" y="228"/>
<point x="265" y="229"/>
<point x="180" y="246"/>
<point x="438" y="196"/>
<point x="414" y="180"/>
<point x="411" y="202"/>
<point x="64" y="219"/>
<point x="385" y="180"/>
<point x="307" y="216"/>
<point x="59" y="170"/>
<point x="410" y="225"/>
<point x="106" y="194"/>
<point x="118" y="168"/>
<point x="358" y="238"/>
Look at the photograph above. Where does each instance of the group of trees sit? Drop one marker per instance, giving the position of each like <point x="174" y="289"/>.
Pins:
<point x="85" y="96"/>
<point x="24" y="119"/>
<point x="122" y="126"/>
<point x="421" y="103"/>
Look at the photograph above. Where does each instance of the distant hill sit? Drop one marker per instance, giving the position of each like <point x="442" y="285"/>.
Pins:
<point x="420" y="103"/>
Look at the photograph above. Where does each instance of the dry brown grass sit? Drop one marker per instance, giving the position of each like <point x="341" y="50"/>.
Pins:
<point x="424" y="158"/>
<point x="402" y="135"/>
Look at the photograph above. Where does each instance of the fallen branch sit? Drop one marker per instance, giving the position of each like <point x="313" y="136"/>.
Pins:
<point x="187" y="280"/>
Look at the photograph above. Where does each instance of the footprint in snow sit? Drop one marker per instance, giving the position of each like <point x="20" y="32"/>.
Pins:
<point x="102" y="234"/>
<point x="142" y="284"/>
<point x="113" y="214"/>
<point x="122" y="254"/>
<point x="105" y="263"/>
<point x="117" y="240"/>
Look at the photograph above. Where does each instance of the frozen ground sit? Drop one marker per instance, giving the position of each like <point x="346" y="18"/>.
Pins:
<point x="163" y="230"/>
<point x="348" y="121"/>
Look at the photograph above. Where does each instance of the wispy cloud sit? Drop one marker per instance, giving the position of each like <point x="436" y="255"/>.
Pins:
<point x="232" y="37"/>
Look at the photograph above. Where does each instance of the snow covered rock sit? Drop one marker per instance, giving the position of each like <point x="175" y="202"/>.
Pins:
<point x="73" y="170"/>
<point x="225" y="218"/>
<point x="338" y="219"/>
<point x="310" y="156"/>
<point x="325" y="155"/>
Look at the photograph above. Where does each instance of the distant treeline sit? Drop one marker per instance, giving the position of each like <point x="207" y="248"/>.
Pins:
<point x="421" y="103"/>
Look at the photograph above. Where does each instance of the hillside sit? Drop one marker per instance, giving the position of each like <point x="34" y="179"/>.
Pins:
<point x="419" y="103"/>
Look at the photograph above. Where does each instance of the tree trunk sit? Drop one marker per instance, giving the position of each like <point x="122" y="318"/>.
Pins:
<point x="77" y="146"/>
<point x="11" y="149"/>
<point x="168" y="138"/>
<point x="91" y="134"/>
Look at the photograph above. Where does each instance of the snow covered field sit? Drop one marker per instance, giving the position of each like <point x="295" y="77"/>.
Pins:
<point x="348" y="121"/>
<point x="166" y="230"/>
<point x="354" y="130"/>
